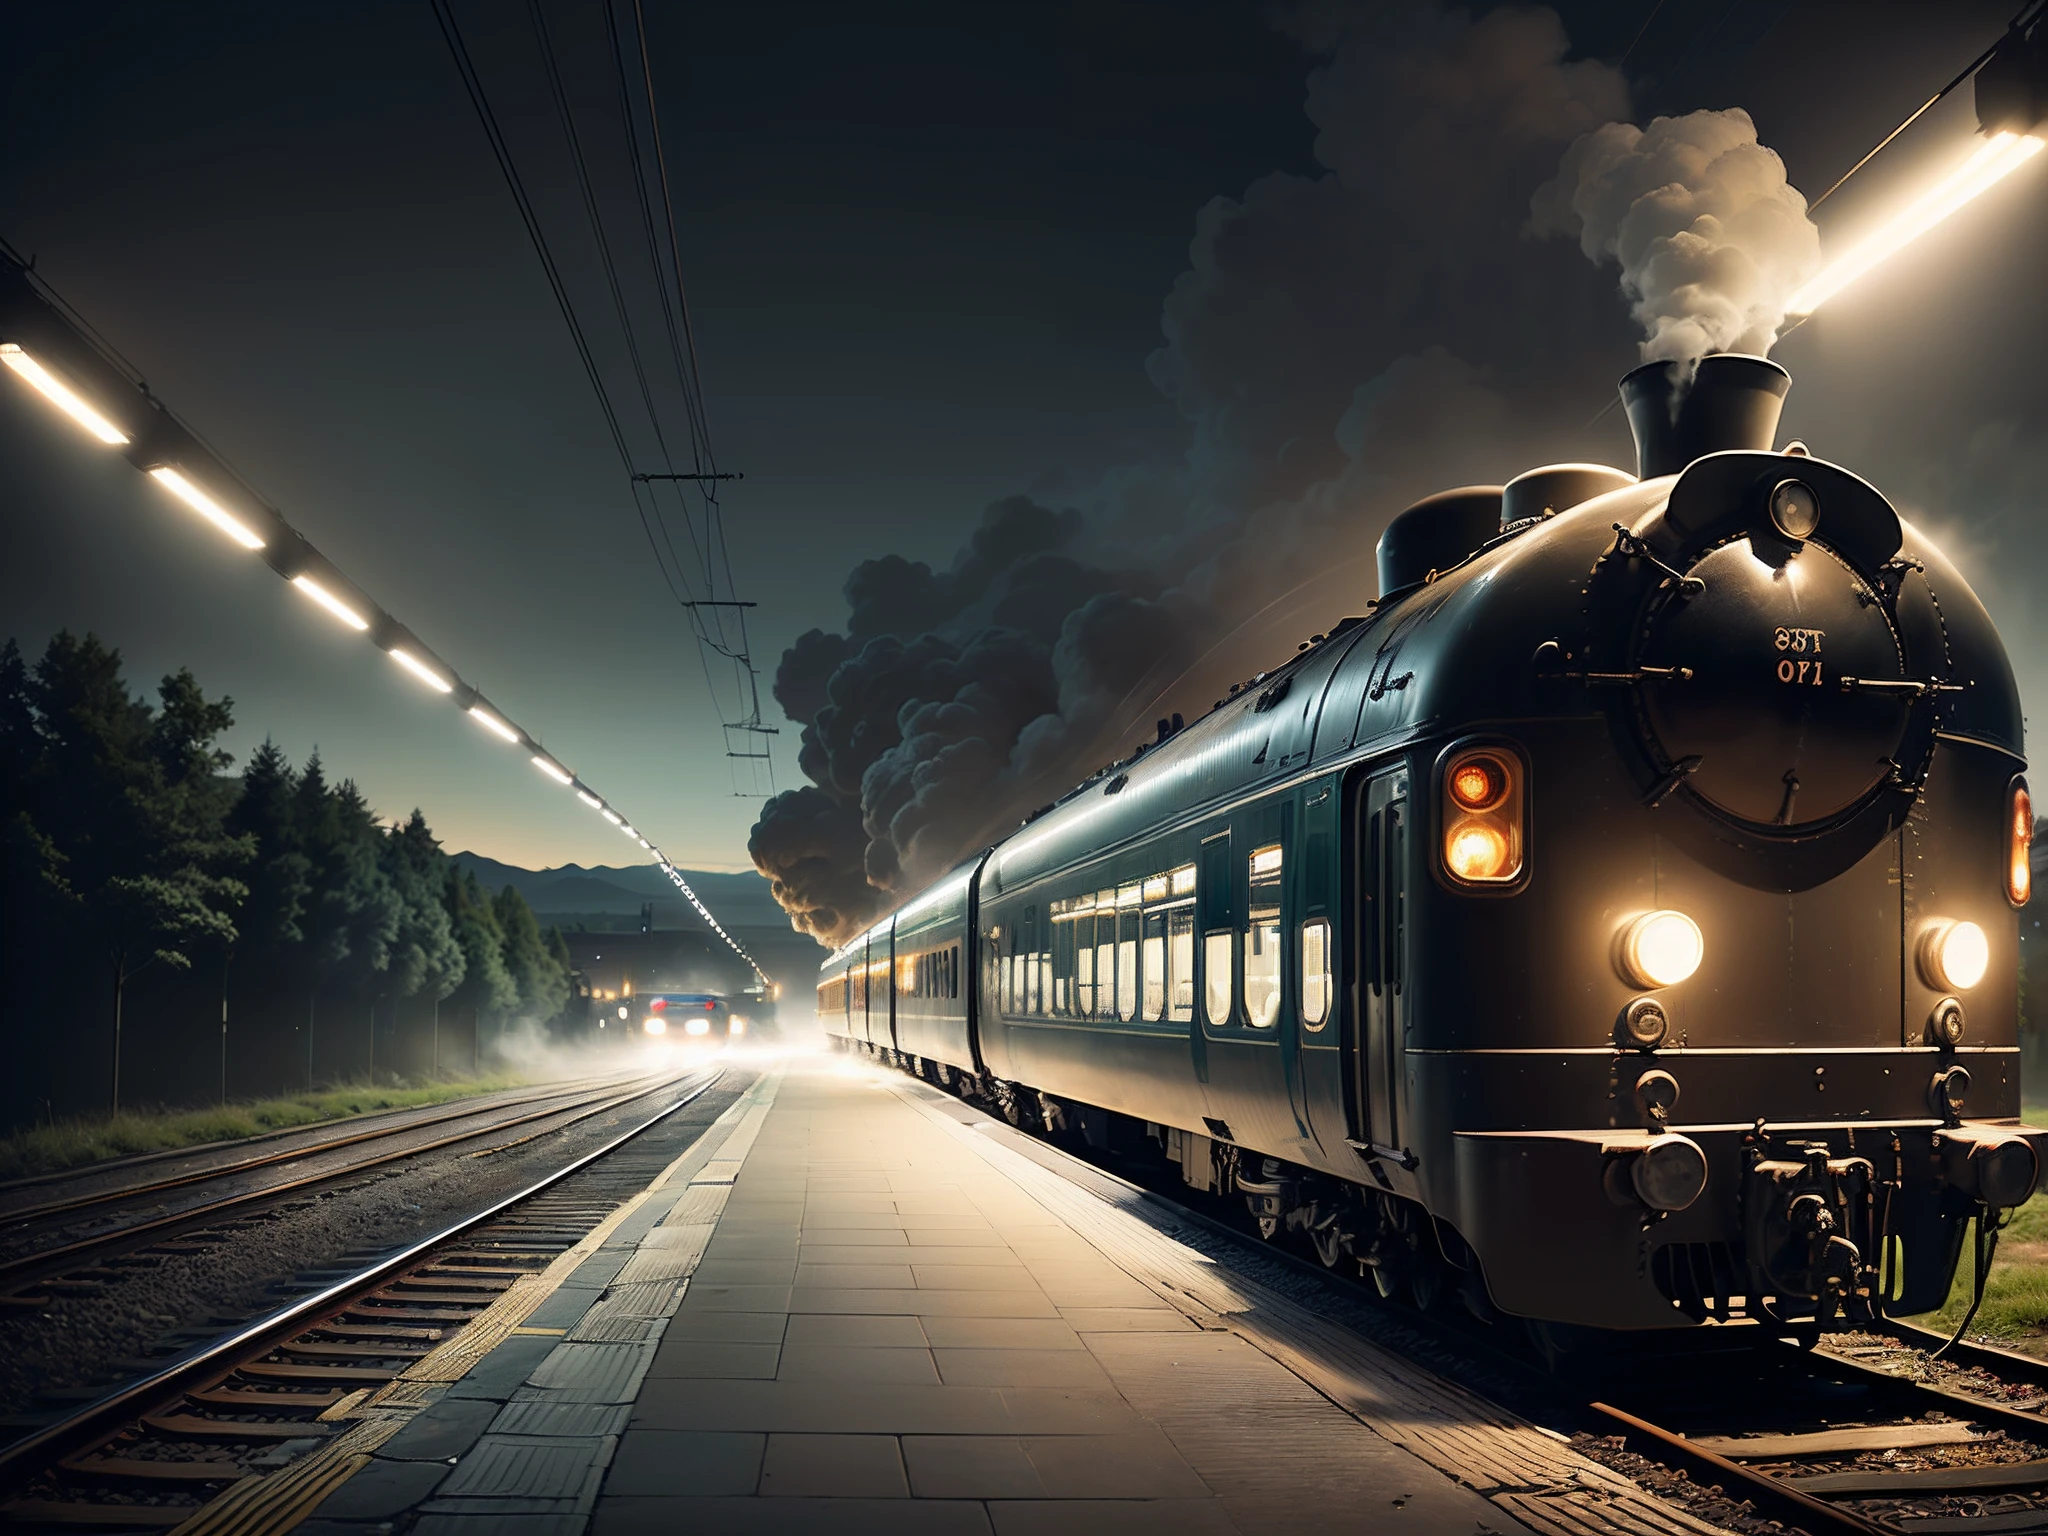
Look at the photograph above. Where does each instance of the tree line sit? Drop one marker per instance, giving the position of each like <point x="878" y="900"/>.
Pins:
<point x="137" y="869"/>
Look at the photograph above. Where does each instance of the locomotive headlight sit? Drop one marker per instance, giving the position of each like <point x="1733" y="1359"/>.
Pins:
<point x="1954" y="956"/>
<point x="697" y="1024"/>
<point x="2019" y="844"/>
<point x="1477" y="850"/>
<point x="1661" y="949"/>
<point x="1482" y="817"/>
<point x="656" y="1026"/>
<point x="736" y="1025"/>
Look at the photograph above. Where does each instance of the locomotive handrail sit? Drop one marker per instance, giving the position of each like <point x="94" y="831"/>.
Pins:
<point x="1910" y="686"/>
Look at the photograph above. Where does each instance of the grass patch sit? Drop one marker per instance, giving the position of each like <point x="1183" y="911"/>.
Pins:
<point x="74" y="1143"/>
<point x="2016" y="1296"/>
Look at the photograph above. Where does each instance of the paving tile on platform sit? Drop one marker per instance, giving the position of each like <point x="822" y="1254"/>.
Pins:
<point x="1087" y="1320"/>
<point x="794" y="1517"/>
<point x="1001" y="1333"/>
<point x="529" y="1467"/>
<point x="1020" y="1368"/>
<point x="703" y="1464"/>
<point x="1142" y="1465"/>
<point x="712" y="1360"/>
<point x="833" y="1466"/>
<point x="735" y="1298"/>
<point x="924" y="1303"/>
<point x="865" y="1407"/>
<point x="855" y="1362"/>
<point x="901" y="1332"/>
<point x="1112" y="1517"/>
<point x="733" y="1271"/>
<point x="975" y="1277"/>
<point x="853" y="1277"/>
<point x="970" y="1467"/>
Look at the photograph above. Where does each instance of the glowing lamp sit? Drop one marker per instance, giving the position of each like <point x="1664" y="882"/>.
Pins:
<point x="589" y="799"/>
<point x="656" y="1026"/>
<point x="737" y="1026"/>
<point x="697" y="1025"/>
<point x="1476" y="850"/>
<point x="2019" y="845"/>
<point x="1954" y="955"/>
<point x="205" y="506"/>
<point x="422" y="671"/>
<point x="1482" y="818"/>
<point x="625" y="1012"/>
<point x="330" y="602"/>
<point x="554" y="770"/>
<point x="1478" y="784"/>
<point x="1661" y="949"/>
<point x="1993" y="160"/>
<point x="492" y="723"/>
<point x="61" y="395"/>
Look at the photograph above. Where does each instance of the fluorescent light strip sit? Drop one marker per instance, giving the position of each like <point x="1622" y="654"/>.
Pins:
<point x="610" y="815"/>
<point x="205" y="506"/>
<point x="625" y="828"/>
<point x="422" y="671"/>
<point x="589" y="799"/>
<point x="330" y="602"/>
<point x="1995" y="159"/>
<point x="61" y="395"/>
<point x="492" y="723"/>
<point x="554" y="770"/>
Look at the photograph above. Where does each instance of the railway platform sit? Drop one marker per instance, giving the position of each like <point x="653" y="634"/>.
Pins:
<point x="860" y="1305"/>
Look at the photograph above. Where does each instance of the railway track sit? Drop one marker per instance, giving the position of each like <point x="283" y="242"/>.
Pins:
<point x="53" y="1256"/>
<point x="150" y="1454"/>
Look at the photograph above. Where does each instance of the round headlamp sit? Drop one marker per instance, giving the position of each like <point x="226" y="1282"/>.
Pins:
<point x="1661" y="949"/>
<point x="1954" y="955"/>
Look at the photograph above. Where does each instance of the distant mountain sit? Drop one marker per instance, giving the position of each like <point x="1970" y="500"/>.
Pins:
<point x="741" y="901"/>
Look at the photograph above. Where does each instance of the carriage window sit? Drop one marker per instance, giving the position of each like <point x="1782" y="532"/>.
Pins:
<point x="1105" y="954"/>
<point x="1155" y="965"/>
<point x="1084" y="968"/>
<point x="1315" y="973"/>
<point x="1262" y="939"/>
<point x="1180" y="953"/>
<point x="1127" y="918"/>
<point x="1218" y="959"/>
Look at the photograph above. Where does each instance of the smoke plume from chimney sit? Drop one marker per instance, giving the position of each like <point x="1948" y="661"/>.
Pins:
<point x="1711" y="239"/>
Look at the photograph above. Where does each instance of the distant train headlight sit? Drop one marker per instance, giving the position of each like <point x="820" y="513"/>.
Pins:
<point x="697" y="1024"/>
<point x="656" y="1026"/>
<point x="1661" y="949"/>
<point x="2019" y="844"/>
<point x="1954" y="956"/>
<point x="624" y="1011"/>
<point x="737" y="1025"/>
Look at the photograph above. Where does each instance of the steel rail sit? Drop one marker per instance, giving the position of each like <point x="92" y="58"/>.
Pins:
<point x="26" y="1457"/>
<point x="47" y="1263"/>
<point x="442" y="1115"/>
<point x="1781" y="1498"/>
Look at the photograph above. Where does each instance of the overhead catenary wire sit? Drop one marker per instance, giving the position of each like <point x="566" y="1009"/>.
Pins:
<point x="699" y="575"/>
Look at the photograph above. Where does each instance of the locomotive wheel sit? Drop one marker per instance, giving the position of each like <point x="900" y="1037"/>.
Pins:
<point x="1425" y="1282"/>
<point x="1328" y="1242"/>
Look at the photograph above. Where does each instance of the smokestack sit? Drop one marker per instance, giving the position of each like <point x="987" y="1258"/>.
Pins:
<point x="1680" y="410"/>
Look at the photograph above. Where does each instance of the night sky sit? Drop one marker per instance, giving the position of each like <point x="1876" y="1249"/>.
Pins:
<point x="926" y="251"/>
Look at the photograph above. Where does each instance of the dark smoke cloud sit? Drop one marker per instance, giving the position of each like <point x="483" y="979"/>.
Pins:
<point x="1338" y="345"/>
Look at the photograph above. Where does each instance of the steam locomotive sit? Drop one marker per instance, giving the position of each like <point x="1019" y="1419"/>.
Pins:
<point x="1616" y="926"/>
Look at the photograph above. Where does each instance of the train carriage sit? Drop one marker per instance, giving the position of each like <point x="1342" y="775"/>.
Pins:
<point x="1618" y="924"/>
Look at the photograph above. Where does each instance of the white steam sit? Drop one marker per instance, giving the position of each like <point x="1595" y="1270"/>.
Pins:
<point x="1711" y="239"/>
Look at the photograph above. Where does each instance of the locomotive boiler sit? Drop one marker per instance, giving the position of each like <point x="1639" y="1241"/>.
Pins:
<point x="1616" y="925"/>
